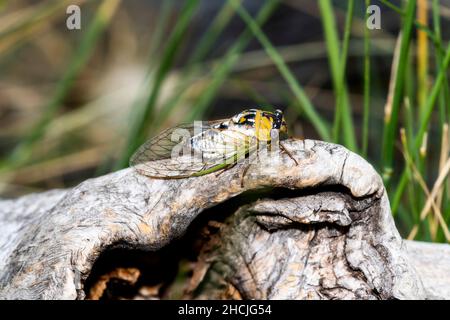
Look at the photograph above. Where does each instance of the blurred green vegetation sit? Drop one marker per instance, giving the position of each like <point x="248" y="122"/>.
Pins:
<point x="77" y="103"/>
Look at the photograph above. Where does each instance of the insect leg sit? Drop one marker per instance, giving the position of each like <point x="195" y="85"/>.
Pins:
<point x="288" y="153"/>
<point x="244" y="172"/>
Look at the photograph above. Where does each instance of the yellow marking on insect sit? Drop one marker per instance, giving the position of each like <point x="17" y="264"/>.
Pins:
<point x="263" y="125"/>
<point x="242" y="120"/>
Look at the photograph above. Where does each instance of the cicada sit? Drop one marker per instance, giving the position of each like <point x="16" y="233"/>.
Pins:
<point x="204" y="147"/>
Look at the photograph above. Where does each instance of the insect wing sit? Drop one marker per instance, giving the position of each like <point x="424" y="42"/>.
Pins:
<point x="168" y="155"/>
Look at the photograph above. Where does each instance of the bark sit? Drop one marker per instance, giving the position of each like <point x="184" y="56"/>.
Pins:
<point x="321" y="229"/>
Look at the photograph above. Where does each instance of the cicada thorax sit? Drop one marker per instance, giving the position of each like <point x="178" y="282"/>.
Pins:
<point x="263" y="127"/>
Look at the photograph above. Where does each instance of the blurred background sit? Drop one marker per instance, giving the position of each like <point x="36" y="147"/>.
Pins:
<point x="75" y="104"/>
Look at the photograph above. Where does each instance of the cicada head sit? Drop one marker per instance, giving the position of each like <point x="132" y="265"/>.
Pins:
<point x="279" y="123"/>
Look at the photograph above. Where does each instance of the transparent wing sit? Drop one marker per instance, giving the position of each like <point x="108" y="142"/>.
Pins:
<point x="160" y="157"/>
<point x="160" y="146"/>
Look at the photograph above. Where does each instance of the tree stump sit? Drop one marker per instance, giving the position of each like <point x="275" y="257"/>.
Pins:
<point x="321" y="229"/>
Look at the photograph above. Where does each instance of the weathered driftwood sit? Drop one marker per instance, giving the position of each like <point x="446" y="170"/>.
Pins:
<point x="321" y="229"/>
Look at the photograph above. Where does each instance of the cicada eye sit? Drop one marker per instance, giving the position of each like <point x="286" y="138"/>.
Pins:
<point x="278" y="119"/>
<point x="223" y="125"/>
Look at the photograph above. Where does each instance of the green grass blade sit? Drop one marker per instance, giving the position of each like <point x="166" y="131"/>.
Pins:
<point x="337" y="66"/>
<point x="393" y="7"/>
<point x="390" y="130"/>
<point x="319" y="124"/>
<point x="366" y="103"/>
<point x="102" y="18"/>
<point x="409" y="124"/>
<point x="349" y="131"/>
